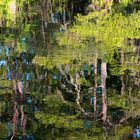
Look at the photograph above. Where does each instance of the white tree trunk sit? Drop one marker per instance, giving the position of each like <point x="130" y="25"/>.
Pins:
<point x="61" y="96"/>
<point x="104" y="95"/>
<point x="76" y="84"/>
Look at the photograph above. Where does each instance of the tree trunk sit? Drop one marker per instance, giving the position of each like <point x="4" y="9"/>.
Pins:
<point x="64" y="17"/>
<point x="61" y="96"/>
<point x="42" y="9"/>
<point x="95" y="77"/>
<point x="12" y="8"/>
<point x="76" y="84"/>
<point x="123" y="85"/>
<point x="122" y="76"/>
<point x="78" y="89"/>
<point x="104" y="95"/>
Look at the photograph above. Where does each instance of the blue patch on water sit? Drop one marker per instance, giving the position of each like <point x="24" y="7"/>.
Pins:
<point x="2" y="62"/>
<point x="136" y="130"/>
<point x="24" y="40"/>
<point x="98" y="90"/>
<point x="28" y="76"/>
<point x="34" y="108"/>
<point x="92" y="99"/>
<point x="0" y="50"/>
<point x="29" y="99"/>
<point x="87" y="124"/>
<point x="9" y="76"/>
<point x="136" y="135"/>
<point x="7" y="51"/>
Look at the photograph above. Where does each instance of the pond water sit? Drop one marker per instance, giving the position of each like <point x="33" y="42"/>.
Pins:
<point x="38" y="103"/>
<point x="48" y="92"/>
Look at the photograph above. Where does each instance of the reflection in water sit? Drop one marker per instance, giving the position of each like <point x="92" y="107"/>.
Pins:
<point x="136" y="133"/>
<point x="79" y="98"/>
<point x="25" y="76"/>
<point x="82" y="82"/>
<point x="18" y="72"/>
